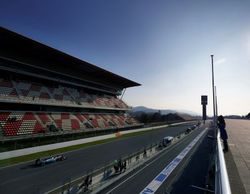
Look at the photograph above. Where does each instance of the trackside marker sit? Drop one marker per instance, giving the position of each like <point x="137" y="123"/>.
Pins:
<point x="164" y="174"/>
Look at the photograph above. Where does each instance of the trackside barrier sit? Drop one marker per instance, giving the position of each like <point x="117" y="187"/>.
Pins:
<point x="32" y="150"/>
<point x="102" y="175"/>
<point x="222" y="185"/>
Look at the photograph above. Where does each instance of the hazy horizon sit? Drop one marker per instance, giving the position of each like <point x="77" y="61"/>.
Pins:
<point x="164" y="45"/>
<point x="187" y="111"/>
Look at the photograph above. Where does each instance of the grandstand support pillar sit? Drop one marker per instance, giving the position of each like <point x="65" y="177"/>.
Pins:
<point x="16" y="88"/>
<point x="123" y="93"/>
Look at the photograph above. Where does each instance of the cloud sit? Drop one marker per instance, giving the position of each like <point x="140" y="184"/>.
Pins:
<point x="220" y="61"/>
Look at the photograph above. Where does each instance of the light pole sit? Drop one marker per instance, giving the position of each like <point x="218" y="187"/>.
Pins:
<point x="216" y="103"/>
<point x="212" y="61"/>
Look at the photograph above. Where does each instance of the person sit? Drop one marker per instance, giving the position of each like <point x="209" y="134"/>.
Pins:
<point x="124" y="165"/>
<point x="223" y="133"/>
<point x="116" y="166"/>
<point x="120" y="165"/>
<point x="87" y="181"/>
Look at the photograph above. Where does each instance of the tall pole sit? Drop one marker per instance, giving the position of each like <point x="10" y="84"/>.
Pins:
<point x="216" y="102"/>
<point x="212" y="60"/>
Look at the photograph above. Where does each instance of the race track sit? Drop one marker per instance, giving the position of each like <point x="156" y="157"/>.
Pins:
<point x="25" y="178"/>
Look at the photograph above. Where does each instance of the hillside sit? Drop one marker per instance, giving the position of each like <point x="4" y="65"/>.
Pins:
<point x="149" y="115"/>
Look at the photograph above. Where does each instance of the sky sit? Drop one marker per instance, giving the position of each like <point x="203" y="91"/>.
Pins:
<point x="165" y="45"/>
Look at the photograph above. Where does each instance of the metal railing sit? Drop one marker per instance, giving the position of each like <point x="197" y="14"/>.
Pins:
<point x="222" y="185"/>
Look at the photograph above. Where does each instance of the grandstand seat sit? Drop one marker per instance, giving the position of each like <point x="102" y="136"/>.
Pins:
<point x="66" y="121"/>
<point x="5" y="83"/>
<point x="44" y="118"/>
<point x="7" y="89"/>
<point x="75" y="124"/>
<point x="39" y="128"/>
<point x="19" y="123"/>
<point x="25" y="123"/>
<point x="44" y="96"/>
<point x="36" y="92"/>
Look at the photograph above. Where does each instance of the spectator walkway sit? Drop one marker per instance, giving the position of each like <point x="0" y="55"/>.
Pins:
<point x="238" y="157"/>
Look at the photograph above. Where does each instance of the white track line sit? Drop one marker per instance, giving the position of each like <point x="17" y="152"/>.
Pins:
<point x="114" y="188"/>
<point x="154" y="185"/>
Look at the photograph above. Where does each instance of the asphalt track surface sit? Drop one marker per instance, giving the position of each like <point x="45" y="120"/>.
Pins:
<point x="195" y="173"/>
<point x="25" y="178"/>
<point x="182" y="177"/>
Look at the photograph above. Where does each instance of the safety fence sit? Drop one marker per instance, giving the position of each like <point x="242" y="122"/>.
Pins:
<point x="222" y="185"/>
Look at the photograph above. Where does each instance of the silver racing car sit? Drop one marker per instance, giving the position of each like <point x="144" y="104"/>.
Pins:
<point x="48" y="160"/>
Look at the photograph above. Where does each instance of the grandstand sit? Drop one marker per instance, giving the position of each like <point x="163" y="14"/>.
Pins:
<point x="45" y="91"/>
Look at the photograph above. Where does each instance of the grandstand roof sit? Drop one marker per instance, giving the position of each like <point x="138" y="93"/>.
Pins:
<point x="30" y="52"/>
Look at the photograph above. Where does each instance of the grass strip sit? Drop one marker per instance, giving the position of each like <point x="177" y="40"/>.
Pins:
<point x="25" y="158"/>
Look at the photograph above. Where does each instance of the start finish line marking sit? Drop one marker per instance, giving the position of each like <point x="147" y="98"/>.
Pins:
<point x="164" y="174"/>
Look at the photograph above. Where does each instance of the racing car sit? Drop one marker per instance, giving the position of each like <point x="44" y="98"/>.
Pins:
<point x="48" y="160"/>
<point x="166" y="140"/>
